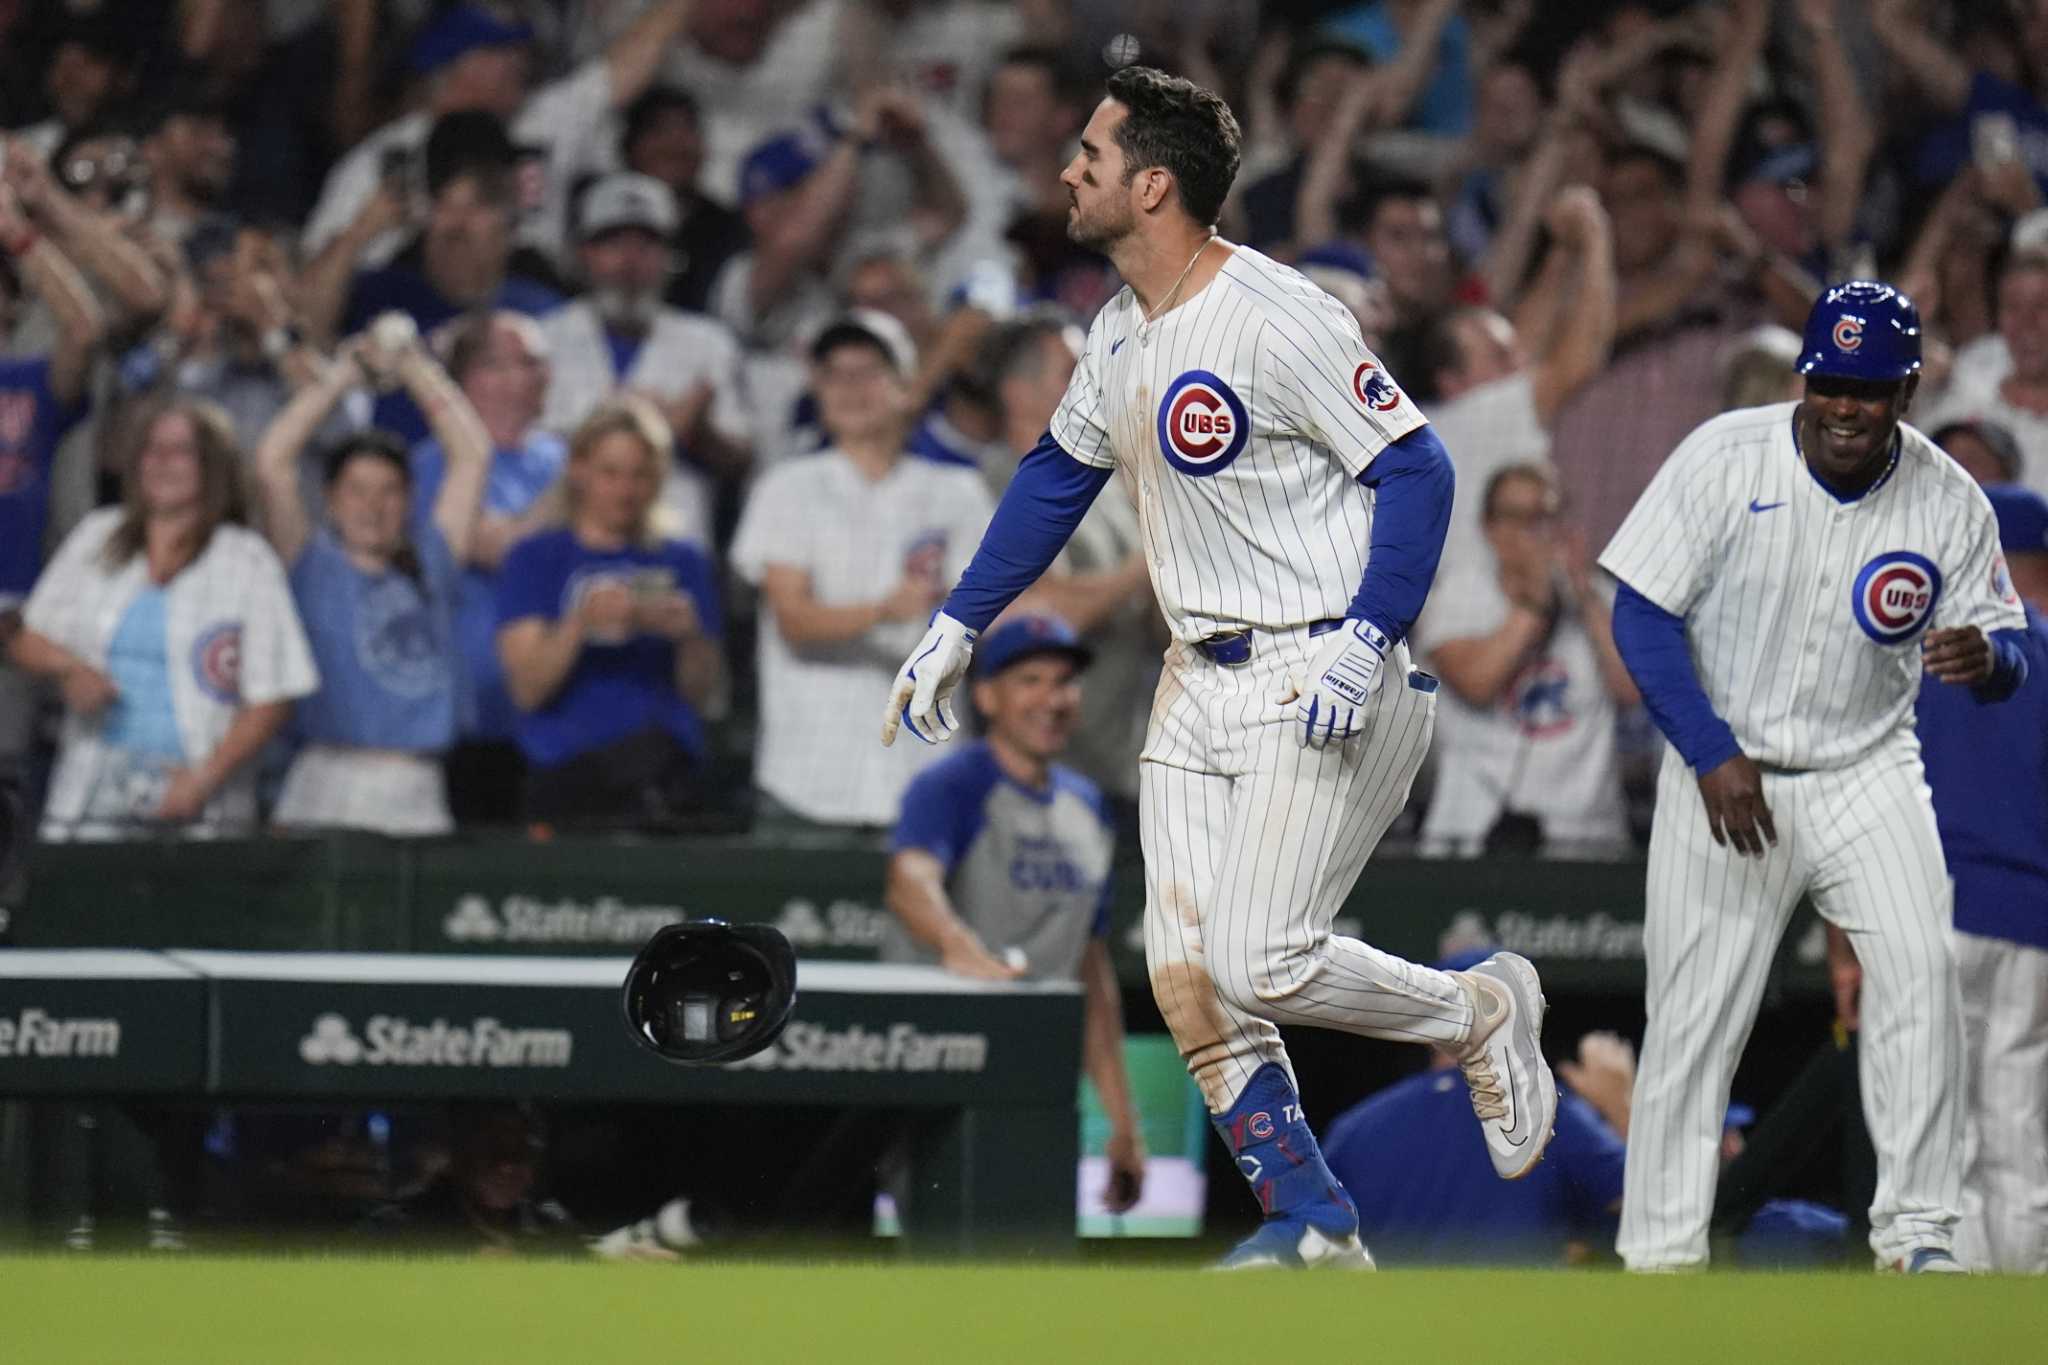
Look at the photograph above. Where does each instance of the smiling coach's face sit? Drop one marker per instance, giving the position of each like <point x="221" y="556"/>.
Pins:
<point x="1100" y="212"/>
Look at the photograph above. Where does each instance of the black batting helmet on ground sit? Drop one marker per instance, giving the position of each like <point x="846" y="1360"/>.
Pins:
<point x="707" y="992"/>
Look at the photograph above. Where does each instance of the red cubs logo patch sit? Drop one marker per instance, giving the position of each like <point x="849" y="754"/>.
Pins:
<point x="1203" y="425"/>
<point x="1848" y="333"/>
<point x="217" y="662"/>
<point x="2001" y="580"/>
<point x="1894" y="596"/>
<point x="1372" y="387"/>
<point x="1260" y="1125"/>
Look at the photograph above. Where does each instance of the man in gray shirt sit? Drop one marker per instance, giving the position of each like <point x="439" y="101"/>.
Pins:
<point x="1001" y="860"/>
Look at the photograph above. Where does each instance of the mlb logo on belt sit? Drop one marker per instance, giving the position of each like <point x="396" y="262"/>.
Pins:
<point x="1370" y="383"/>
<point x="1894" y="595"/>
<point x="1848" y="333"/>
<point x="1202" y="424"/>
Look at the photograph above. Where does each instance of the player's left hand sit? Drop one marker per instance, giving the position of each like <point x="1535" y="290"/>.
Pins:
<point x="1342" y="677"/>
<point x="922" y="699"/>
<point x="1961" y="655"/>
<point x="1845" y="979"/>
<point x="1126" y="1152"/>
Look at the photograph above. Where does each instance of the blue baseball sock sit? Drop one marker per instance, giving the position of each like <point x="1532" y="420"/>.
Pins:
<point x="1279" y="1156"/>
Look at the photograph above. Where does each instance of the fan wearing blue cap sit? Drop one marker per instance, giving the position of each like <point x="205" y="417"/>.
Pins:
<point x="1001" y="859"/>
<point x="1988" y="768"/>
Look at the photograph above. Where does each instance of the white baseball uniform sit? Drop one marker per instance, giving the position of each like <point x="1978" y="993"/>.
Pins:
<point x="1804" y="614"/>
<point x="1242" y="419"/>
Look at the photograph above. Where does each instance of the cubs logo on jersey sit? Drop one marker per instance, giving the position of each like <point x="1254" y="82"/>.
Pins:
<point x="217" y="662"/>
<point x="1848" y="334"/>
<point x="1202" y="424"/>
<point x="1372" y="387"/>
<point x="1894" y="595"/>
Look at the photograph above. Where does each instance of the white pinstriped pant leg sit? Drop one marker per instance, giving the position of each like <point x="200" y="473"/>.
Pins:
<point x="1880" y="876"/>
<point x="2004" y="991"/>
<point x="1280" y="852"/>
<point x="1713" y="920"/>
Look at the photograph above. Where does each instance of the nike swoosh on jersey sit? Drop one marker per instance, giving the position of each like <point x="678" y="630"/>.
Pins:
<point x="1117" y="345"/>
<point x="1756" y="506"/>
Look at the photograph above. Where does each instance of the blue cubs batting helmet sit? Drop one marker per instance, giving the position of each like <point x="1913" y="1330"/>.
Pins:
<point x="1862" y="330"/>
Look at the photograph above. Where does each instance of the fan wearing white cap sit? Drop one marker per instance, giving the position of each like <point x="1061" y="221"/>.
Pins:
<point x="851" y="549"/>
<point x="618" y="334"/>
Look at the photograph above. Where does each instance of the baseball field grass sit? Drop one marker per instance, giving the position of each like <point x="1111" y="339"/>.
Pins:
<point x="283" y="1310"/>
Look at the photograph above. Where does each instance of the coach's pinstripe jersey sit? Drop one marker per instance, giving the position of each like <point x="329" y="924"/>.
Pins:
<point x="1804" y="612"/>
<point x="1241" y="419"/>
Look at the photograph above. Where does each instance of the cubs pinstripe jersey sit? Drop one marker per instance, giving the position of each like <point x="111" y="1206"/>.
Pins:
<point x="1241" y="420"/>
<point x="1804" y="611"/>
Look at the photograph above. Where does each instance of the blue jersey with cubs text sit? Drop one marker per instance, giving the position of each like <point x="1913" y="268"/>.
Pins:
<point x="1026" y="868"/>
<point x="1988" y="767"/>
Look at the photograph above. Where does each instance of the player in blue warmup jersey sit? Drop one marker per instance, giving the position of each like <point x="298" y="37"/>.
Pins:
<point x="1988" y="769"/>
<point x="1293" y="504"/>
<point x="1001" y="861"/>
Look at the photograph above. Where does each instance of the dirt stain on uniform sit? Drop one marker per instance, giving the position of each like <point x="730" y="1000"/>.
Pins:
<point x="1186" y="995"/>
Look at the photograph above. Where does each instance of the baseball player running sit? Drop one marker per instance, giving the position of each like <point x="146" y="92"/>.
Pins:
<point x="1785" y="580"/>
<point x="1245" y="413"/>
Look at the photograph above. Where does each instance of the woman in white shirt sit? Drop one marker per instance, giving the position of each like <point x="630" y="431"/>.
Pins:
<point x="168" y="627"/>
<point x="1533" y="684"/>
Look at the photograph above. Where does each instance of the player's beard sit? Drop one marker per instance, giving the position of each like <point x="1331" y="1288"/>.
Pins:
<point x="1101" y="230"/>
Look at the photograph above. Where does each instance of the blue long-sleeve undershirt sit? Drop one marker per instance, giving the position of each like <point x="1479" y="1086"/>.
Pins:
<point x="2008" y="666"/>
<point x="1652" y="643"/>
<point x="1412" y="483"/>
<point x="1045" y="501"/>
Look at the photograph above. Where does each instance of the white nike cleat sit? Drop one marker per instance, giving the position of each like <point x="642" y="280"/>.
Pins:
<point x="1513" y="1092"/>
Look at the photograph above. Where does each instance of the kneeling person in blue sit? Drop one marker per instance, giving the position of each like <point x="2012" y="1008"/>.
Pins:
<point x="1001" y="860"/>
<point x="609" y="635"/>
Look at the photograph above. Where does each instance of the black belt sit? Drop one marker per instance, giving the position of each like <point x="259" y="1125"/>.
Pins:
<point x="1236" y="648"/>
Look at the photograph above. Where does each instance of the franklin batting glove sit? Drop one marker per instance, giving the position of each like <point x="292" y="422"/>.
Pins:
<point x="922" y="699"/>
<point x="1342" y="677"/>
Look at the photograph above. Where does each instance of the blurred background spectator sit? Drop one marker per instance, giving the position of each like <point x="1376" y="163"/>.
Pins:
<point x="170" y="632"/>
<point x="610" y="635"/>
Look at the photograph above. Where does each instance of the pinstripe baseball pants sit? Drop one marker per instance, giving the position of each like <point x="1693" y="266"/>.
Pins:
<point x="1251" y="844"/>
<point x="2005" y="1036"/>
<point x="1861" y="842"/>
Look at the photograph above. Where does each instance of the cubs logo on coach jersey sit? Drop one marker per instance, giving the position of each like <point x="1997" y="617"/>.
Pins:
<point x="1894" y="595"/>
<point x="1202" y="424"/>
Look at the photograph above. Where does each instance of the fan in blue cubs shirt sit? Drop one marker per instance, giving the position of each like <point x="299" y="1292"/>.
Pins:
<point x="609" y="636"/>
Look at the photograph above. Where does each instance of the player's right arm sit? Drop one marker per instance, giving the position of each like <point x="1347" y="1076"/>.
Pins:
<point x="1049" y="495"/>
<point x="932" y="829"/>
<point x="1663" y="558"/>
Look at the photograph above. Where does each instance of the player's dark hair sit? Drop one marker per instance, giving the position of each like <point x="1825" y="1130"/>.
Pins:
<point x="1173" y="124"/>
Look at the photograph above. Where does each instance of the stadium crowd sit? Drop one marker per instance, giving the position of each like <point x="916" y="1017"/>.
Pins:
<point x="416" y="414"/>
